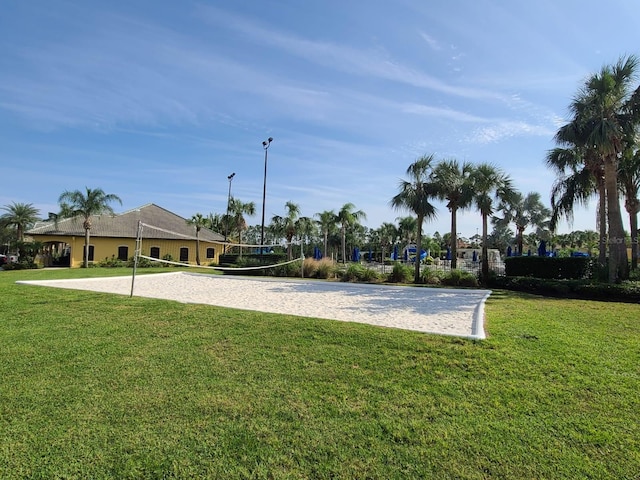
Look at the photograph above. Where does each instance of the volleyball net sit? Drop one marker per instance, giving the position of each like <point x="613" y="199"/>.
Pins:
<point x="156" y="245"/>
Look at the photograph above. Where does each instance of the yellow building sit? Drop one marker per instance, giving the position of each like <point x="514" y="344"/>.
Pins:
<point x="164" y="235"/>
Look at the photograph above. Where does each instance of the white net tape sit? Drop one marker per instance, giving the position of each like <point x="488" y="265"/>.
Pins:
<point x="150" y="237"/>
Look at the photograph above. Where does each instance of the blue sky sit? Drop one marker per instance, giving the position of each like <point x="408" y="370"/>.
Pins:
<point x="159" y="101"/>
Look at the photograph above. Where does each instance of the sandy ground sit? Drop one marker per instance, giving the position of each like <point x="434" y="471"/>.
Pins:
<point x="432" y="310"/>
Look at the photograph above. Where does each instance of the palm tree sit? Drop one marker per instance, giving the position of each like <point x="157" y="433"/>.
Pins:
<point x="346" y="218"/>
<point x="216" y="222"/>
<point x="523" y="212"/>
<point x="607" y="108"/>
<point x="286" y="226"/>
<point x="199" y="222"/>
<point x="629" y="177"/>
<point x="237" y="211"/>
<point x="21" y="216"/>
<point x="490" y="185"/>
<point x="306" y="230"/>
<point x="387" y="233"/>
<point x="85" y="205"/>
<point x="414" y="196"/>
<point x="453" y="184"/>
<point x="580" y="176"/>
<point x="407" y="228"/>
<point x="327" y="223"/>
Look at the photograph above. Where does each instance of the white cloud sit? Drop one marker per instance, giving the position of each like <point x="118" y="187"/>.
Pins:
<point x="432" y="42"/>
<point x="507" y="129"/>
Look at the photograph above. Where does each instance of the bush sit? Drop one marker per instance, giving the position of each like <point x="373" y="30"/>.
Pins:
<point x="112" y="262"/>
<point x="431" y="277"/>
<point x="325" y="268"/>
<point x="623" y="292"/>
<point x="353" y="273"/>
<point x="401" y="274"/>
<point x="459" y="278"/>
<point x="548" y="267"/>
<point x="293" y="269"/>
<point x="143" y="263"/>
<point x="23" y="264"/>
<point x="358" y="273"/>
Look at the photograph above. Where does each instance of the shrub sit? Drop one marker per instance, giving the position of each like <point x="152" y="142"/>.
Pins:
<point x="112" y="262"/>
<point x="459" y="278"/>
<point x="623" y="292"/>
<point x="548" y="267"/>
<point x="431" y="277"/>
<point x="370" y="275"/>
<point x="354" y="272"/>
<point x="309" y="267"/>
<point x="325" y="268"/>
<point x="143" y="263"/>
<point x="23" y="264"/>
<point x="358" y="273"/>
<point x="400" y="274"/>
<point x="293" y="269"/>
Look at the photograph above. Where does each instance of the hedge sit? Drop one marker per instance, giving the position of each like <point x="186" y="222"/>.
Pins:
<point x="548" y="267"/>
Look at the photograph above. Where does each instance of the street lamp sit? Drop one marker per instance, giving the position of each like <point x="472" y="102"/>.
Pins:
<point x="226" y="226"/>
<point x="265" y="146"/>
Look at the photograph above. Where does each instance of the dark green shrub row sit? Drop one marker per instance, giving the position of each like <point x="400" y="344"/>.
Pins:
<point x="234" y="259"/>
<point x="548" y="267"/>
<point x="23" y="264"/>
<point x="623" y="292"/>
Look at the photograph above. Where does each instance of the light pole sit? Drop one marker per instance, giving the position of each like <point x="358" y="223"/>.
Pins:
<point x="265" y="146"/>
<point x="226" y="226"/>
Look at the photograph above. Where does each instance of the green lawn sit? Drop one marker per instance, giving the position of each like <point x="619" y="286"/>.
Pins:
<point x="103" y="386"/>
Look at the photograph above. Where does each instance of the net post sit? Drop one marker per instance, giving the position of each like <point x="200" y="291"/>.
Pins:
<point x="136" y="253"/>
<point x="302" y="258"/>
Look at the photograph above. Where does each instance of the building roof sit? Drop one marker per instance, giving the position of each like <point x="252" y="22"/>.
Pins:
<point x="167" y="225"/>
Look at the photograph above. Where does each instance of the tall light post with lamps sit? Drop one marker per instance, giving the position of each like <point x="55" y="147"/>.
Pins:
<point x="265" y="146"/>
<point x="226" y="226"/>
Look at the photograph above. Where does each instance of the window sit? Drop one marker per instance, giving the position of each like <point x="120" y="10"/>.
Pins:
<point x="123" y="253"/>
<point x="184" y="254"/>
<point x="91" y="250"/>
<point x="211" y="252"/>
<point x="155" y="252"/>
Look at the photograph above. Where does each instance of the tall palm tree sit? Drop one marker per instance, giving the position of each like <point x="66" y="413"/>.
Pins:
<point x="75" y="203"/>
<point x="454" y="185"/>
<point x="580" y="176"/>
<point x="414" y="195"/>
<point x="21" y="216"/>
<point x="346" y="218"/>
<point x="199" y="222"/>
<point x="606" y="106"/>
<point x="237" y="211"/>
<point x="327" y="223"/>
<point x="286" y="226"/>
<point x="490" y="186"/>
<point x="523" y="212"/>
<point x="629" y="177"/>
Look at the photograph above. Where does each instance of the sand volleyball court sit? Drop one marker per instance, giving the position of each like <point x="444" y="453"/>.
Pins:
<point x="433" y="310"/>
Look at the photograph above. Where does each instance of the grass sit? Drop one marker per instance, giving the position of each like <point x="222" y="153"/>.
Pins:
<point x="102" y="386"/>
